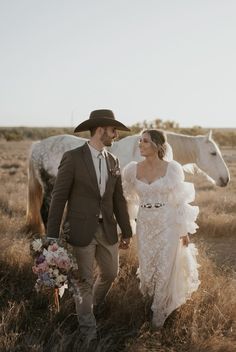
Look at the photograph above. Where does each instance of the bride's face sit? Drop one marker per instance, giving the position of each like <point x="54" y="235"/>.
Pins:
<point x="146" y="145"/>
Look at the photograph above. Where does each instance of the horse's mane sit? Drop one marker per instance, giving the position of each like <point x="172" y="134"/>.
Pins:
<point x="184" y="147"/>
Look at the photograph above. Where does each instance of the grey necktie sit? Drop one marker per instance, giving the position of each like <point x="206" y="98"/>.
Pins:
<point x="100" y="169"/>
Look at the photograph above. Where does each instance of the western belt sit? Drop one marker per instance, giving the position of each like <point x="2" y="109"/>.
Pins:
<point x="150" y="205"/>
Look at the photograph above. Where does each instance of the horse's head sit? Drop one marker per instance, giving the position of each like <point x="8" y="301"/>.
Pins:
<point x="210" y="160"/>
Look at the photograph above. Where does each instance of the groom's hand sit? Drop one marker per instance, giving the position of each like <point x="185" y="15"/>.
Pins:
<point x="124" y="243"/>
<point x="51" y="240"/>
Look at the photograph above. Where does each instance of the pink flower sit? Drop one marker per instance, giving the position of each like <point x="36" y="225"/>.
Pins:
<point x="35" y="269"/>
<point x="40" y="268"/>
<point x="63" y="263"/>
<point x="50" y="258"/>
<point x="53" y="247"/>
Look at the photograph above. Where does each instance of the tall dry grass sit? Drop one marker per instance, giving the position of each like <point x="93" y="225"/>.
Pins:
<point x="206" y="323"/>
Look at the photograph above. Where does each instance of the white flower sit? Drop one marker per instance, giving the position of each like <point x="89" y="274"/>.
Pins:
<point x="62" y="289"/>
<point x="45" y="252"/>
<point x="56" y="272"/>
<point x="60" y="279"/>
<point x="50" y="257"/>
<point x="37" y="245"/>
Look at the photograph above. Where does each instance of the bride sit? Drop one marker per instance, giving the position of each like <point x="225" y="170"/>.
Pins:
<point x="167" y="260"/>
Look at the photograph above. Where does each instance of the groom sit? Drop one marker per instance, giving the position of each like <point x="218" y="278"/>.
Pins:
<point x="89" y="181"/>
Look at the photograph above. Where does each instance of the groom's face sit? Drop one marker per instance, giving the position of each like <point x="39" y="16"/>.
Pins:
<point x="109" y="134"/>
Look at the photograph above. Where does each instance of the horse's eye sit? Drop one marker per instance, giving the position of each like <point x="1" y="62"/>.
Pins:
<point x="213" y="153"/>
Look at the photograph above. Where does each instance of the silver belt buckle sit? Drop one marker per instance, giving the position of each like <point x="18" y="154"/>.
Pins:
<point x="158" y="205"/>
<point x="149" y="205"/>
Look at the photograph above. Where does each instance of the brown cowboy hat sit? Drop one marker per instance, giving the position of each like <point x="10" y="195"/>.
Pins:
<point x="100" y="118"/>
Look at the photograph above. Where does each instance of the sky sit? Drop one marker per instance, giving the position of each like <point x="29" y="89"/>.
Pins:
<point x="144" y="59"/>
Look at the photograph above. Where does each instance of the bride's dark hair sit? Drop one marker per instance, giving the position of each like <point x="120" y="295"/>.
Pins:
<point x="158" y="137"/>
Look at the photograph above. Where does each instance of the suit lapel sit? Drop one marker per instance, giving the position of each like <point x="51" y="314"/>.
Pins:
<point x="90" y="167"/>
<point x="109" y="167"/>
<point x="108" y="163"/>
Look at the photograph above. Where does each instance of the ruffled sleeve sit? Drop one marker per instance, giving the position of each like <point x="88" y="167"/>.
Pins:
<point x="128" y="183"/>
<point x="181" y="193"/>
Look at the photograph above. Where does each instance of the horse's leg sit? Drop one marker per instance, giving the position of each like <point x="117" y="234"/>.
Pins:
<point x="34" y="200"/>
<point x="48" y="183"/>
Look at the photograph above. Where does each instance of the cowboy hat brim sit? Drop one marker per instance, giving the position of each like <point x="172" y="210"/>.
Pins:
<point x="100" y="122"/>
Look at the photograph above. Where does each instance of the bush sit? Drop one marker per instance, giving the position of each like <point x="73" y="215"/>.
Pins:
<point x="224" y="137"/>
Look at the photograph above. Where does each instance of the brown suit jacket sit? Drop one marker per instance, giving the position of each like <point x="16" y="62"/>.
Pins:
<point x="76" y="184"/>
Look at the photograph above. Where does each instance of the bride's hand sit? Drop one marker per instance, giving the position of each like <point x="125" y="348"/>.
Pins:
<point x="185" y="240"/>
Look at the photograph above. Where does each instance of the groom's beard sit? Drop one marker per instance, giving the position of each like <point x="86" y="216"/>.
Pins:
<point x="107" y="140"/>
<point x="108" y="144"/>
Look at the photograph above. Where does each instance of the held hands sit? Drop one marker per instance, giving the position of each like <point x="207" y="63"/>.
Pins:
<point x="124" y="243"/>
<point x="185" y="240"/>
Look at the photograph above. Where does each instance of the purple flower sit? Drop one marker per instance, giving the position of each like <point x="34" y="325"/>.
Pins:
<point x="40" y="259"/>
<point x="47" y="281"/>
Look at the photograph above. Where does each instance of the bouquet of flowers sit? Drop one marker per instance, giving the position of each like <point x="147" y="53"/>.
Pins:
<point x="52" y="265"/>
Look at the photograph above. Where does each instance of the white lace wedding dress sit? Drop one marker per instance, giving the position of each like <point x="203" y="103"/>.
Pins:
<point x="167" y="269"/>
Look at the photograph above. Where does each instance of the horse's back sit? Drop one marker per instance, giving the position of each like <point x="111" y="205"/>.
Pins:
<point x="48" y="152"/>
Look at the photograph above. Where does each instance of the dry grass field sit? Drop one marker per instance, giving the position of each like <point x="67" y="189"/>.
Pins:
<point x="206" y="323"/>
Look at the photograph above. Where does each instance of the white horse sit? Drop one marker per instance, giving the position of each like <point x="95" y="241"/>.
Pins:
<point x="199" y="151"/>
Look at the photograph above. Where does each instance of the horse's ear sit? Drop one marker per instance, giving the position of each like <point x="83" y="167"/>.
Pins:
<point x="209" y="135"/>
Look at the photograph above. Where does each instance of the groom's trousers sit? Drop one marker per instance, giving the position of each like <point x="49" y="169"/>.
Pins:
<point x="99" y="251"/>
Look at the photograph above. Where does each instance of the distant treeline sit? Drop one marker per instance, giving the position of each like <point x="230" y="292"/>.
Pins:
<point x="224" y="136"/>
